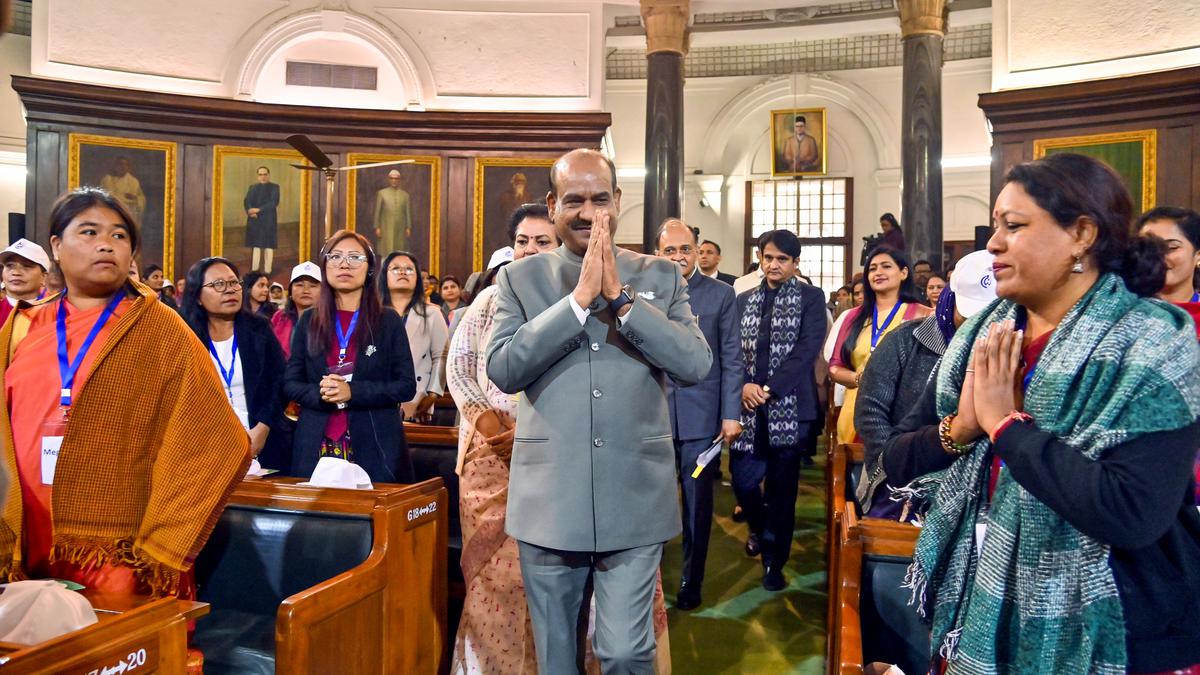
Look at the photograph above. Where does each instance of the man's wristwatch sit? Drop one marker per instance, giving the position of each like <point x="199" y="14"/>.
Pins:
<point x="621" y="300"/>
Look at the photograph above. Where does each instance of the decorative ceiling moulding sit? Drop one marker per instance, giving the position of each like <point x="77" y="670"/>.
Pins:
<point x="748" y="106"/>
<point x="122" y="110"/>
<point x="790" y="17"/>
<point x="876" y="50"/>
<point x="405" y="56"/>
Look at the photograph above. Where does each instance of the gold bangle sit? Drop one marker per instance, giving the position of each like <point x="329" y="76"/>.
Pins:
<point x="948" y="444"/>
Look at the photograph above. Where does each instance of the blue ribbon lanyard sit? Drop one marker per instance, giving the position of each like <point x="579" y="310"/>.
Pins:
<point x="1195" y="297"/>
<point x="67" y="368"/>
<point x="344" y="336"/>
<point x="226" y="375"/>
<point x="876" y="330"/>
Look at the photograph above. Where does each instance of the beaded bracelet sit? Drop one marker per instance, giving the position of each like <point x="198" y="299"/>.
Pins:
<point x="947" y="440"/>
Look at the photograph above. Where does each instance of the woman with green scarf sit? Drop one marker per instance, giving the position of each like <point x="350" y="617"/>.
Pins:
<point x="1062" y="535"/>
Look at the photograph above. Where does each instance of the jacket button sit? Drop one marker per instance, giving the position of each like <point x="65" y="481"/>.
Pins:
<point x="596" y="393"/>
<point x="595" y="346"/>
<point x="599" y="442"/>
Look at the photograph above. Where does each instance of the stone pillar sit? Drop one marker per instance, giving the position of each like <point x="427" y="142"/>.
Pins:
<point x="666" y="44"/>
<point x="922" y="26"/>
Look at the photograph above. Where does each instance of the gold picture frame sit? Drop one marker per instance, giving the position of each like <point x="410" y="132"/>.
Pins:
<point x="784" y="159"/>
<point x="298" y="196"/>
<point x="1101" y="146"/>
<point x="375" y="178"/>
<point x="492" y="202"/>
<point x="88" y="153"/>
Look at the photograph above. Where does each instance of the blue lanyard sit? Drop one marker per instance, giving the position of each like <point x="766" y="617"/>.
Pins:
<point x="876" y="330"/>
<point x="226" y="375"/>
<point x="1195" y="297"/>
<point x="344" y="336"/>
<point x="67" y="368"/>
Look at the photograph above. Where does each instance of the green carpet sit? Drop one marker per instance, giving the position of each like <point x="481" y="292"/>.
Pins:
<point x="740" y="627"/>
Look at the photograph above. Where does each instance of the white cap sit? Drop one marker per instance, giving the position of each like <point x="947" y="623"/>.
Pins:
<point x="167" y="282"/>
<point x="276" y="283"/>
<point x="306" y="269"/>
<point x="973" y="283"/>
<point x="501" y="256"/>
<point x="394" y="173"/>
<point x="27" y="250"/>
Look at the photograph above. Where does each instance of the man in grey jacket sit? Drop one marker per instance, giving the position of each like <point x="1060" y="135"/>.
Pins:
<point x="588" y="334"/>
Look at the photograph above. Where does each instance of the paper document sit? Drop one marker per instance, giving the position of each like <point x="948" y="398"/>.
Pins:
<point x="707" y="456"/>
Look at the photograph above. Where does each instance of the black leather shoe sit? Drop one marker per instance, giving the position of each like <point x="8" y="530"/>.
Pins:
<point x="688" y="597"/>
<point x="773" y="579"/>
<point x="739" y="516"/>
<point x="807" y="461"/>
<point x="752" y="546"/>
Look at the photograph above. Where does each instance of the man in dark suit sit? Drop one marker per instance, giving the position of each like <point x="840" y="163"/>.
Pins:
<point x="704" y="412"/>
<point x="782" y="328"/>
<point x="709" y="260"/>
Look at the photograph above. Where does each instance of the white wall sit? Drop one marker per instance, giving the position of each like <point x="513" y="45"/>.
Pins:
<point x="14" y="60"/>
<point x="726" y="138"/>
<point x="1037" y="43"/>
<point x="477" y="56"/>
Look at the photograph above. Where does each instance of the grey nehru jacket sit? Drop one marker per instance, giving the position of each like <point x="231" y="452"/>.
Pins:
<point x="593" y="463"/>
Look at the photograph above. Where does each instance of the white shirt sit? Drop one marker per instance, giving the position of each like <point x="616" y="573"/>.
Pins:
<point x="748" y="281"/>
<point x="237" y="391"/>
<point x="582" y="313"/>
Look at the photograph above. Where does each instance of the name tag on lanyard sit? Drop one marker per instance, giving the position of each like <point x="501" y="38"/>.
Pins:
<point x="53" y="432"/>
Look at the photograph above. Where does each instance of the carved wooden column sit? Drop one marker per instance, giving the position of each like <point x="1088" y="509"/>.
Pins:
<point x="922" y="26"/>
<point x="666" y="44"/>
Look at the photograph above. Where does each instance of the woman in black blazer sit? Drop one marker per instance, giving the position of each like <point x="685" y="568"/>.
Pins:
<point x="350" y="369"/>
<point x="245" y="352"/>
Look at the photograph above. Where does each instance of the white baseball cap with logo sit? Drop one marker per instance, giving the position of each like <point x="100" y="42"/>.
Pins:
<point x="500" y="256"/>
<point x="306" y="269"/>
<point x="973" y="283"/>
<point x="28" y="250"/>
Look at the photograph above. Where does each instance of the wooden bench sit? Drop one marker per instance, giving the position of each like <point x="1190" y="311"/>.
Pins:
<point x="434" y="452"/>
<point x="837" y="506"/>
<point x="314" y="580"/>
<point x="872" y="620"/>
<point x="133" y="635"/>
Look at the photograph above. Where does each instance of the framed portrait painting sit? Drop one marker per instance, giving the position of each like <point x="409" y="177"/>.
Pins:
<point x="397" y="207"/>
<point x="261" y="209"/>
<point x="1132" y="154"/>
<point x="798" y="142"/>
<point x="501" y="185"/>
<point x="141" y="175"/>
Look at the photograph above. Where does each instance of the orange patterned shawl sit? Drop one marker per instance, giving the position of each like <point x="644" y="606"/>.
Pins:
<point x="151" y="454"/>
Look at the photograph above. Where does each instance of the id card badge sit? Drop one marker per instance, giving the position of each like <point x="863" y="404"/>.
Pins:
<point x="53" y="431"/>
<point x="345" y="369"/>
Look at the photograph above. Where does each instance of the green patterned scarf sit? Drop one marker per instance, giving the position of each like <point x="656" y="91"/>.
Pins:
<point x="1041" y="597"/>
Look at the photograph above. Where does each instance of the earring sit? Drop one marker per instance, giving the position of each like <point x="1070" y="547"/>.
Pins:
<point x="1077" y="268"/>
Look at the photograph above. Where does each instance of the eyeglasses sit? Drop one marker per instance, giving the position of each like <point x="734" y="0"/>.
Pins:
<point x="685" y="249"/>
<point x="402" y="271"/>
<point x="351" y="259"/>
<point x="221" y="284"/>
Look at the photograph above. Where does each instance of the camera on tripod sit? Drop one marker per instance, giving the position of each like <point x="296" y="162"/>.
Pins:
<point x="869" y="244"/>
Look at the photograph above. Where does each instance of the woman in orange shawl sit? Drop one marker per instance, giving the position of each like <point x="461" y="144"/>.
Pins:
<point x="117" y="432"/>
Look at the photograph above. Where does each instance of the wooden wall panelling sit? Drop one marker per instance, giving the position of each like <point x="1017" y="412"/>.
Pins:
<point x="457" y="239"/>
<point x="1167" y="101"/>
<point x="49" y="161"/>
<point x="197" y="123"/>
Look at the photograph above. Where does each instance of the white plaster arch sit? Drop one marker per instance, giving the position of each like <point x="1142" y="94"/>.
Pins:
<point x="781" y="91"/>
<point x="406" y="59"/>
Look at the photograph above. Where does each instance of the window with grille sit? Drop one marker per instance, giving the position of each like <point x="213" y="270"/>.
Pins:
<point x="818" y="211"/>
